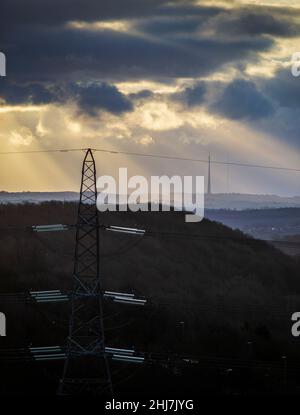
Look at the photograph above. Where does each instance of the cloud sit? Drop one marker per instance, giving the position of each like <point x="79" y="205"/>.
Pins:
<point x="193" y="95"/>
<point x="283" y="88"/>
<point x="175" y="19"/>
<point x="284" y="91"/>
<point x="90" y="98"/>
<point x="242" y="100"/>
<point x="63" y="53"/>
<point x="95" y="97"/>
<point x="141" y="95"/>
<point x="165" y="39"/>
<point x="166" y="68"/>
<point x="237" y="100"/>
<point x="21" y="137"/>
<point x="32" y="93"/>
<point x="54" y="12"/>
<point x="167" y="25"/>
<point x="248" y="22"/>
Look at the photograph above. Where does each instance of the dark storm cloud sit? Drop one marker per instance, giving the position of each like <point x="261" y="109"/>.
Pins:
<point x="171" y="42"/>
<point x="283" y="88"/>
<point x="56" y="12"/>
<point x="40" y="47"/>
<point x="90" y="98"/>
<point x="144" y="94"/>
<point x="33" y="93"/>
<point x="167" y="25"/>
<point x="192" y="96"/>
<point x="95" y="97"/>
<point x="272" y="105"/>
<point x="242" y="100"/>
<point x="45" y="13"/>
<point x="179" y="19"/>
<point x="239" y="99"/>
<point x="60" y="53"/>
<point x="255" y="23"/>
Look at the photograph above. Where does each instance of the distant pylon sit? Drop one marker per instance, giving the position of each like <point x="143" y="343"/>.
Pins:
<point x="209" y="177"/>
<point x="86" y="369"/>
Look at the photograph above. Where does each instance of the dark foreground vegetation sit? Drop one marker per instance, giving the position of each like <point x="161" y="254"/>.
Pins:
<point x="224" y="301"/>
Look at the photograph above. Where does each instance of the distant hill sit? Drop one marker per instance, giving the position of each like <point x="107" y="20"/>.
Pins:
<point x="235" y="201"/>
<point x="37" y="197"/>
<point x="240" y="201"/>
<point x="272" y="223"/>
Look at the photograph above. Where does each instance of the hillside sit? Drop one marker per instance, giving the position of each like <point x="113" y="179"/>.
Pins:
<point x="271" y="224"/>
<point x="211" y="289"/>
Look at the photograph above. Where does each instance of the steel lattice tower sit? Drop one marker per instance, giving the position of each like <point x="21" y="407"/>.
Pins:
<point x="86" y="369"/>
<point x="209" y="177"/>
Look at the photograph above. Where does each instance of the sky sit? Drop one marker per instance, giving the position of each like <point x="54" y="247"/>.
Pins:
<point x="183" y="78"/>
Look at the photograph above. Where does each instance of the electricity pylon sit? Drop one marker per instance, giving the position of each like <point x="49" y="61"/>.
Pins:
<point x="209" y="177"/>
<point x="86" y="369"/>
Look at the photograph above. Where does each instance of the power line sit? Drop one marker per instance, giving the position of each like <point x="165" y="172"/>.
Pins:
<point x="218" y="237"/>
<point x="238" y="164"/>
<point x="157" y="156"/>
<point x="184" y="235"/>
<point x="213" y="306"/>
<point x="51" y="353"/>
<point x="175" y="235"/>
<point x="66" y="150"/>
